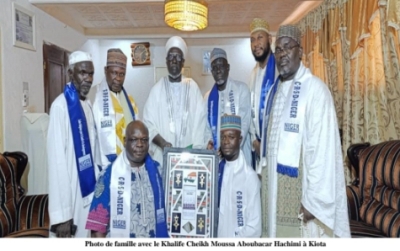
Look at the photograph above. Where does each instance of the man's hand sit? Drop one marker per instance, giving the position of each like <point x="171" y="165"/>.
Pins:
<point x="161" y="142"/>
<point x="167" y="144"/>
<point x="307" y="216"/>
<point x="256" y="146"/>
<point x="63" y="230"/>
<point x="210" y="145"/>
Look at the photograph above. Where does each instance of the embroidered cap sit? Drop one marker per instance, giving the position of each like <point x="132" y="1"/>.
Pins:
<point x="79" y="56"/>
<point x="259" y="24"/>
<point x="291" y="31"/>
<point x="115" y="57"/>
<point x="176" y="42"/>
<point x="231" y="122"/>
<point x="217" y="53"/>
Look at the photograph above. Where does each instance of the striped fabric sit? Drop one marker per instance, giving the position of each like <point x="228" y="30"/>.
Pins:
<point x="20" y="216"/>
<point x="30" y="233"/>
<point x="32" y="212"/>
<point x="380" y="187"/>
<point x="8" y="195"/>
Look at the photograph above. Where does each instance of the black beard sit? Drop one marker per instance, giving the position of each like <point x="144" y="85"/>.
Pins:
<point x="263" y="57"/>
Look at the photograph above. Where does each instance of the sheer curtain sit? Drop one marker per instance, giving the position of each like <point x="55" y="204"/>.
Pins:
<point x="353" y="45"/>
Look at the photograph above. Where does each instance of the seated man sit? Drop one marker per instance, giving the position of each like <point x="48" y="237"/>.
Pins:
<point x="239" y="186"/>
<point x="114" y="211"/>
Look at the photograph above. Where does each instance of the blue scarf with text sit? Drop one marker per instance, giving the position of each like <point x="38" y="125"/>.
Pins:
<point x="213" y="100"/>
<point x="267" y="83"/>
<point x="159" y="200"/>
<point x="80" y="135"/>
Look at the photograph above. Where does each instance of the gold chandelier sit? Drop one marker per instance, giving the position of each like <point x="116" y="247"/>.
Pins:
<point x="186" y="15"/>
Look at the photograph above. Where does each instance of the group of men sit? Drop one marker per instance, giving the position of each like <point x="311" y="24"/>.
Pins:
<point x="277" y="139"/>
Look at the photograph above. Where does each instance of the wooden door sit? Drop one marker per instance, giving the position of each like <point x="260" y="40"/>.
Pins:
<point x="55" y="70"/>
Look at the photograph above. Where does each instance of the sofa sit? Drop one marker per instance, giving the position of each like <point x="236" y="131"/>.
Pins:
<point x="20" y="215"/>
<point x="374" y="195"/>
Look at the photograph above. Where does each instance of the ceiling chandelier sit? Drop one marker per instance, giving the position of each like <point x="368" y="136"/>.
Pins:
<point x="186" y="15"/>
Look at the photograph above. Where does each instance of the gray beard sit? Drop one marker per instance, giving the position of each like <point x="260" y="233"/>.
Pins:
<point x="174" y="76"/>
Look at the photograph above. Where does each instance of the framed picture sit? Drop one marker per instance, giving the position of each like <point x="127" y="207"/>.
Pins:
<point x="206" y="62"/>
<point x="191" y="192"/>
<point x="24" y="33"/>
<point x="140" y="54"/>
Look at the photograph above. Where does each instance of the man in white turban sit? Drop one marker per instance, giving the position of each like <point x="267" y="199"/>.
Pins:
<point x="174" y="111"/>
<point x="71" y="145"/>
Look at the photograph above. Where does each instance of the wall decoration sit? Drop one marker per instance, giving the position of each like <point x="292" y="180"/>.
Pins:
<point x="191" y="192"/>
<point x="206" y="62"/>
<point x="140" y="54"/>
<point x="23" y="23"/>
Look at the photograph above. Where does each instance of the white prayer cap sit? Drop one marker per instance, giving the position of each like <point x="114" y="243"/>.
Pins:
<point x="79" y="56"/>
<point x="177" y="42"/>
<point x="217" y="53"/>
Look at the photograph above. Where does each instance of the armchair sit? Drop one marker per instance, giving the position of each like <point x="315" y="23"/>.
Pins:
<point x="374" y="196"/>
<point x="20" y="215"/>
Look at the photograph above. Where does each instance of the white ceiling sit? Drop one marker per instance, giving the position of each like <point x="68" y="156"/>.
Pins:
<point x="141" y="18"/>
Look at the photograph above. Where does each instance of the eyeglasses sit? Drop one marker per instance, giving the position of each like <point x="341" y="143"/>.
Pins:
<point x="177" y="57"/>
<point x="287" y="49"/>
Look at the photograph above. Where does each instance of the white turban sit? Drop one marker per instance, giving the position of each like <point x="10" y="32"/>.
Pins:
<point x="177" y="42"/>
<point x="79" y="56"/>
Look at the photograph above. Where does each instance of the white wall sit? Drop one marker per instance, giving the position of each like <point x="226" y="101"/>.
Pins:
<point x="140" y="79"/>
<point x="21" y="65"/>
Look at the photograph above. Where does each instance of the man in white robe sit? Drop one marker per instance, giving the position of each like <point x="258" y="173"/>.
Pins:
<point x="113" y="108"/>
<point x="261" y="80"/>
<point x="305" y="192"/>
<point x="239" y="186"/>
<point x="174" y="110"/>
<point x="70" y="189"/>
<point x="227" y="96"/>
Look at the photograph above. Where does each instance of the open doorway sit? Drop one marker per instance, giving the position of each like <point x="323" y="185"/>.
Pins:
<point x="55" y="71"/>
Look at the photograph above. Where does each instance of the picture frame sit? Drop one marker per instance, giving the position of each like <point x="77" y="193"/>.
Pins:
<point x="140" y="54"/>
<point x="23" y="24"/>
<point x="190" y="178"/>
<point x="206" y="62"/>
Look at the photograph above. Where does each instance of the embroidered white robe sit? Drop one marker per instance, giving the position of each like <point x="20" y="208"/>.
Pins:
<point x="323" y="184"/>
<point x="156" y="116"/>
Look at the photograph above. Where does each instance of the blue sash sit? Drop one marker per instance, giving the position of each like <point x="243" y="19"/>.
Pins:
<point x="80" y="134"/>
<point x="220" y="177"/>
<point x="213" y="100"/>
<point x="129" y="104"/>
<point x="268" y="81"/>
<point x="268" y="111"/>
<point x="159" y="200"/>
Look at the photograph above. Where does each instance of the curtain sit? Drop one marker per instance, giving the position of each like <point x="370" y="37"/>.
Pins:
<point x="353" y="46"/>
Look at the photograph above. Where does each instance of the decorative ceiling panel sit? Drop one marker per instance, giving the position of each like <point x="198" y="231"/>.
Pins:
<point x="233" y="16"/>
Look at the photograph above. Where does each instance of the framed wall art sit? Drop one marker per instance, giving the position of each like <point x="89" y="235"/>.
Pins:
<point x="191" y="192"/>
<point x="23" y="23"/>
<point x="206" y="62"/>
<point x="140" y="54"/>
